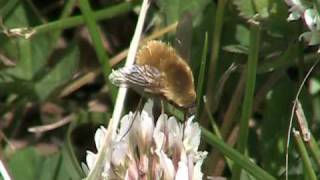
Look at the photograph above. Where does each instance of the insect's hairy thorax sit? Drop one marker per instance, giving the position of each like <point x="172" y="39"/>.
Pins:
<point x="178" y="79"/>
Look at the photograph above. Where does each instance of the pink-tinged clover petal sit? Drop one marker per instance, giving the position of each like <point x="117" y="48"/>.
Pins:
<point x="182" y="172"/>
<point x="144" y="167"/>
<point x="85" y="168"/>
<point x="132" y="172"/>
<point x="161" y="122"/>
<point x="99" y="137"/>
<point x="119" y="153"/>
<point x="125" y="125"/>
<point x="197" y="174"/>
<point x="175" y="133"/>
<point x="147" y="124"/>
<point x="166" y="165"/>
<point x="91" y="159"/>
<point x="159" y="139"/>
<point x="192" y="134"/>
<point x="143" y="127"/>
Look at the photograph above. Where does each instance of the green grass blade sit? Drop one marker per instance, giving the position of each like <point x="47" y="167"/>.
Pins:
<point x="215" y="48"/>
<point x="215" y="128"/>
<point x="70" y="150"/>
<point x="236" y="157"/>
<point x="65" y="23"/>
<point x="249" y="93"/>
<point x="314" y="149"/>
<point x="97" y="42"/>
<point x="201" y="77"/>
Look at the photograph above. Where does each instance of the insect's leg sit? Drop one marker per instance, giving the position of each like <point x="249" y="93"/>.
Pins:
<point x="134" y="118"/>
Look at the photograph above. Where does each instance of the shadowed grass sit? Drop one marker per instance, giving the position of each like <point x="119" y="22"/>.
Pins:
<point x="249" y="94"/>
<point x="236" y="157"/>
<point x="97" y="43"/>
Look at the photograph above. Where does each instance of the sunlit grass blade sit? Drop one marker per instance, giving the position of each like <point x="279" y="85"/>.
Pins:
<point x="314" y="149"/>
<point x="304" y="156"/>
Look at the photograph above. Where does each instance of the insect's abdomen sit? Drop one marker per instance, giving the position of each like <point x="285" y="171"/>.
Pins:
<point x="178" y="84"/>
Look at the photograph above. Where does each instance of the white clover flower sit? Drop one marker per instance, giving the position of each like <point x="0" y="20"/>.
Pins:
<point x="143" y="150"/>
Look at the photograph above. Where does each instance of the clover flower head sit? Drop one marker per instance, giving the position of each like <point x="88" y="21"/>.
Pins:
<point x="144" y="150"/>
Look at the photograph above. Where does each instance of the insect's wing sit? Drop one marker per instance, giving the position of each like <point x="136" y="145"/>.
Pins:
<point x="138" y="77"/>
<point x="184" y="36"/>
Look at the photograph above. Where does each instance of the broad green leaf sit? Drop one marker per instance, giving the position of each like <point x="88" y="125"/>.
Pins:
<point x="283" y="61"/>
<point x="273" y="13"/>
<point x="31" y="54"/>
<point x="29" y="164"/>
<point x="57" y="75"/>
<point x="253" y="8"/>
<point x="25" y="164"/>
<point x="51" y="166"/>
<point x="67" y="169"/>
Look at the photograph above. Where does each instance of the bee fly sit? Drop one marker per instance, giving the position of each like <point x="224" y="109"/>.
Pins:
<point x="159" y="70"/>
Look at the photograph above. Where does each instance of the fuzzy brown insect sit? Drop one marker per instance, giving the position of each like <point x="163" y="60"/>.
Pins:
<point x="159" y="70"/>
